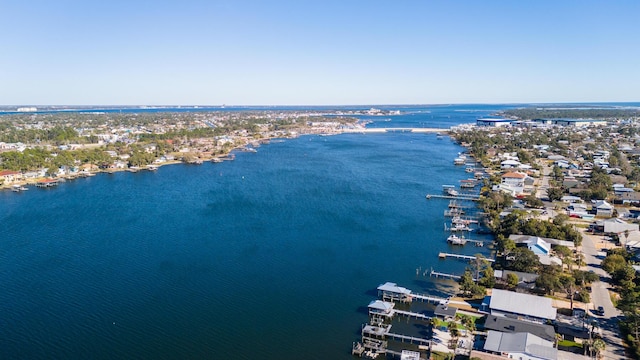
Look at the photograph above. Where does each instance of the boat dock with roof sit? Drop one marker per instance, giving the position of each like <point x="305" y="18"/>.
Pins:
<point x="392" y="292"/>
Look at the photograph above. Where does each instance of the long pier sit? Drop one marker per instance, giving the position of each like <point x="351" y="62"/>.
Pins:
<point x="429" y="299"/>
<point x="395" y="129"/>
<point x="444" y="275"/>
<point x="459" y="197"/>
<point x="444" y="255"/>
<point x="410" y="339"/>
<point x="412" y="314"/>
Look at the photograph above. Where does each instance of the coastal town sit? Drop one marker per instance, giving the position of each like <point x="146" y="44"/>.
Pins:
<point x="560" y="195"/>
<point x="42" y="149"/>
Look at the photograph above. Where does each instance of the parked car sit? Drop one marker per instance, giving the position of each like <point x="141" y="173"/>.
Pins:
<point x="600" y="311"/>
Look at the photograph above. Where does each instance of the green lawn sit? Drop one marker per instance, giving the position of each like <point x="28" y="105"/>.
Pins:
<point x="569" y="343"/>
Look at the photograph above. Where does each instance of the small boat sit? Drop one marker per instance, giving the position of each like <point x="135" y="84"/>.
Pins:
<point x="455" y="240"/>
<point x="452" y="192"/>
<point x="469" y="169"/>
<point x="15" y="188"/>
<point x="23" y="188"/>
<point x="459" y="160"/>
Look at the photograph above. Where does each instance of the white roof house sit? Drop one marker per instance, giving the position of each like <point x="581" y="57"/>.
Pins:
<point x="603" y="208"/>
<point x="508" y="164"/>
<point x="505" y="302"/>
<point x="380" y="307"/>
<point x="520" y="345"/>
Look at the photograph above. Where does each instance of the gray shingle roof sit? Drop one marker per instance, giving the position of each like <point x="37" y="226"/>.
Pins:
<point x="504" y="324"/>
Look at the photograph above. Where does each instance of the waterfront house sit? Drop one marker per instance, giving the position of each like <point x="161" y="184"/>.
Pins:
<point x="9" y="176"/>
<point x="509" y="303"/>
<point x="513" y="182"/>
<point x="525" y="280"/>
<point x="508" y="325"/>
<point x="445" y="312"/>
<point x="520" y="345"/>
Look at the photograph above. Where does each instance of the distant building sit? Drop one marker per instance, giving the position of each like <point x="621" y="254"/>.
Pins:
<point x="8" y="176"/>
<point x="27" y="109"/>
<point x="578" y="122"/>
<point x="493" y="122"/>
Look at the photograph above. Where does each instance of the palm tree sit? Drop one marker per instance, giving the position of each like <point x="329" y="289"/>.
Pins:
<point x="599" y="346"/>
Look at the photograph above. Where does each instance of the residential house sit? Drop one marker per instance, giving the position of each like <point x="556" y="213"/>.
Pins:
<point x="521" y="345"/>
<point x="514" y="181"/>
<point x="603" y="208"/>
<point x="538" y="246"/>
<point x="509" y="303"/>
<point x="508" y="325"/>
<point x="509" y="164"/>
<point x="445" y="312"/>
<point x="9" y="176"/>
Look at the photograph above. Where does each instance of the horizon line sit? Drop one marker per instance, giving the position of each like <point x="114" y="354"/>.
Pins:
<point x="322" y="105"/>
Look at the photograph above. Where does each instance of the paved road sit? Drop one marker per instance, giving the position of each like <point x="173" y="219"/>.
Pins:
<point x="600" y="297"/>
<point x="600" y="289"/>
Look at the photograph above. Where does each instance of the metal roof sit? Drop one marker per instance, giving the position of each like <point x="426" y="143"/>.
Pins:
<point x="381" y="305"/>
<point x="393" y="287"/>
<point x="520" y="343"/>
<point x="509" y="301"/>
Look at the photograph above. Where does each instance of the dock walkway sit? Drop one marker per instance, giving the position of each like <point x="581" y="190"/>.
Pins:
<point x="458" y="197"/>
<point x="444" y="255"/>
<point x="412" y="314"/>
<point x="410" y="339"/>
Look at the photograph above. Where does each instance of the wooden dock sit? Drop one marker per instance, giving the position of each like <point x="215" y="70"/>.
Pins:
<point x="438" y="275"/>
<point x="458" y="197"/>
<point x="412" y="315"/>
<point x="444" y="255"/>
<point x="409" y="339"/>
<point x="430" y="299"/>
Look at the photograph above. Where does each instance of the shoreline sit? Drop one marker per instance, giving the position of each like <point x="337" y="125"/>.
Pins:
<point x="228" y="156"/>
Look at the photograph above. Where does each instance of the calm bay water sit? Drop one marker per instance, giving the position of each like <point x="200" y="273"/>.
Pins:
<point x="271" y="256"/>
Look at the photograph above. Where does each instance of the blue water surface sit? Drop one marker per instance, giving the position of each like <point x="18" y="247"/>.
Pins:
<point x="271" y="256"/>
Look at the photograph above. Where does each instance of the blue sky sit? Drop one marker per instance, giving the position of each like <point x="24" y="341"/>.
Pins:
<point x="322" y="52"/>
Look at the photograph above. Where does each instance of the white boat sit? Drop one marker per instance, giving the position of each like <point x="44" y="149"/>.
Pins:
<point x="15" y="188"/>
<point x="460" y="160"/>
<point x="455" y="240"/>
<point x="457" y="227"/>
<point x="446" y="188"/>
<point x="452" y="192"/>
<point x="23" y="188"/>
